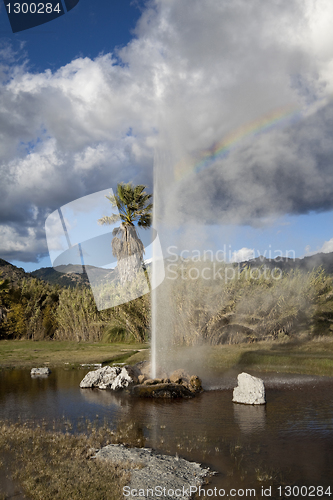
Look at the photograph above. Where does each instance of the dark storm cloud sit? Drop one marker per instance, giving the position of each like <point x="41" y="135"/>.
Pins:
<point x="288" y="171"/>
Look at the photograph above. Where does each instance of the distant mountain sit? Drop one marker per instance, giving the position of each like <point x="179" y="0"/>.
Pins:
<point x="64" y="276"/>
<point x="325" y="260"/>
<point x="71" y="275"/>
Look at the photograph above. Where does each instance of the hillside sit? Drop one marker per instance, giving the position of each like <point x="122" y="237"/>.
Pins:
<point x="325" y="260"/>
<point x="64" y="276"/>
<point x="12" y="273"/>
<point x="69" y="275"/>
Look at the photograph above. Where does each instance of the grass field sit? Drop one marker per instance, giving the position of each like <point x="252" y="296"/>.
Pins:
<point x="27" y="353"/>
<point x="311" y="356"/>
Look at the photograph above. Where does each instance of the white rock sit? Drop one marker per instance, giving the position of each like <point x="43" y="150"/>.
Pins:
<point x="250" y="390"/>
<point x="102" y="378"/>
<point x="40" y="371"/>
<point x="109" y="377"/>
<point x="123" y="380"/>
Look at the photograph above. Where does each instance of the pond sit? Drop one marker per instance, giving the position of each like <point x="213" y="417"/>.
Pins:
<point x="287" y="442"/>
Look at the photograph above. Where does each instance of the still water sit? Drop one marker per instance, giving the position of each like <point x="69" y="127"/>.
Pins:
<point x="287" y="442"/>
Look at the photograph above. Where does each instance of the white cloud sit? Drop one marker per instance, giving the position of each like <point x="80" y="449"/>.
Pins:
<point x="327" y="247"/>
<point x="26" y="246"/>
<point x="243" y="254"/>
<point x="196" y="71"/>
<point x="69" y="134"/>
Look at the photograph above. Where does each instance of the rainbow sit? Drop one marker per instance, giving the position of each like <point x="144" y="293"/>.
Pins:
<point x="199" y="161"/>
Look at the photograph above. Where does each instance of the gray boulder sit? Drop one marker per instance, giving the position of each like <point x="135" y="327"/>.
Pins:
<point x="250" y="390"/>
<point x="36" y="372"/>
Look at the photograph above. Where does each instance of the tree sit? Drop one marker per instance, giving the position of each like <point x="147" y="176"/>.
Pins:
<point x="134" y="209"/>
<point x="4" y="289"/>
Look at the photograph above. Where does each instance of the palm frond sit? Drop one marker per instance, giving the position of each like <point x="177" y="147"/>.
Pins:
<point x="113" y="200"/>
<point x="145" y="221"/>
<point x="109" y="219"/>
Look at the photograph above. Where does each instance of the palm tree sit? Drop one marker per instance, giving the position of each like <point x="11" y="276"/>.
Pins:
<point x="133" y="208"/>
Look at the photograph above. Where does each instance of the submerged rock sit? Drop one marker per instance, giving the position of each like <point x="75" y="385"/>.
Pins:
<point x="36" y="372"/>
<point x="250" y="390"/>
<point x="193" y="383"/>
<point x="169" y="391"/>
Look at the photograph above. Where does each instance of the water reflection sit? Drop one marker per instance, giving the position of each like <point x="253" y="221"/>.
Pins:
<point x="104" y="398"/>
<point x="250" y="418"/>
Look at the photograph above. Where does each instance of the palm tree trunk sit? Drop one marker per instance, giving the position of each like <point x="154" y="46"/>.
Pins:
<point x="129" y="261"/>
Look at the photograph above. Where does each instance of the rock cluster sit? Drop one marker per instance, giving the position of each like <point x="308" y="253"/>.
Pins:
<point x="178" y="385"/>
<point x="250" y="390"/>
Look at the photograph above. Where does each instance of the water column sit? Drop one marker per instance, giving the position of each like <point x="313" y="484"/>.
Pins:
<point x="162" y="314"/>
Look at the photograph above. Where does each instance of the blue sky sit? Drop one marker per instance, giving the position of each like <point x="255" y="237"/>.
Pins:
<point x="116" y="91"/>
<point x="86" y="31"/>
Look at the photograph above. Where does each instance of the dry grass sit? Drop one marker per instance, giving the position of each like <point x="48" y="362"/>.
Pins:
<point x="308" y="357"/>
<point x="51" y="465"/>
<point x="250" y="308"/>
<point x="314" y="356"/>
<point x="303" y="356"/>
